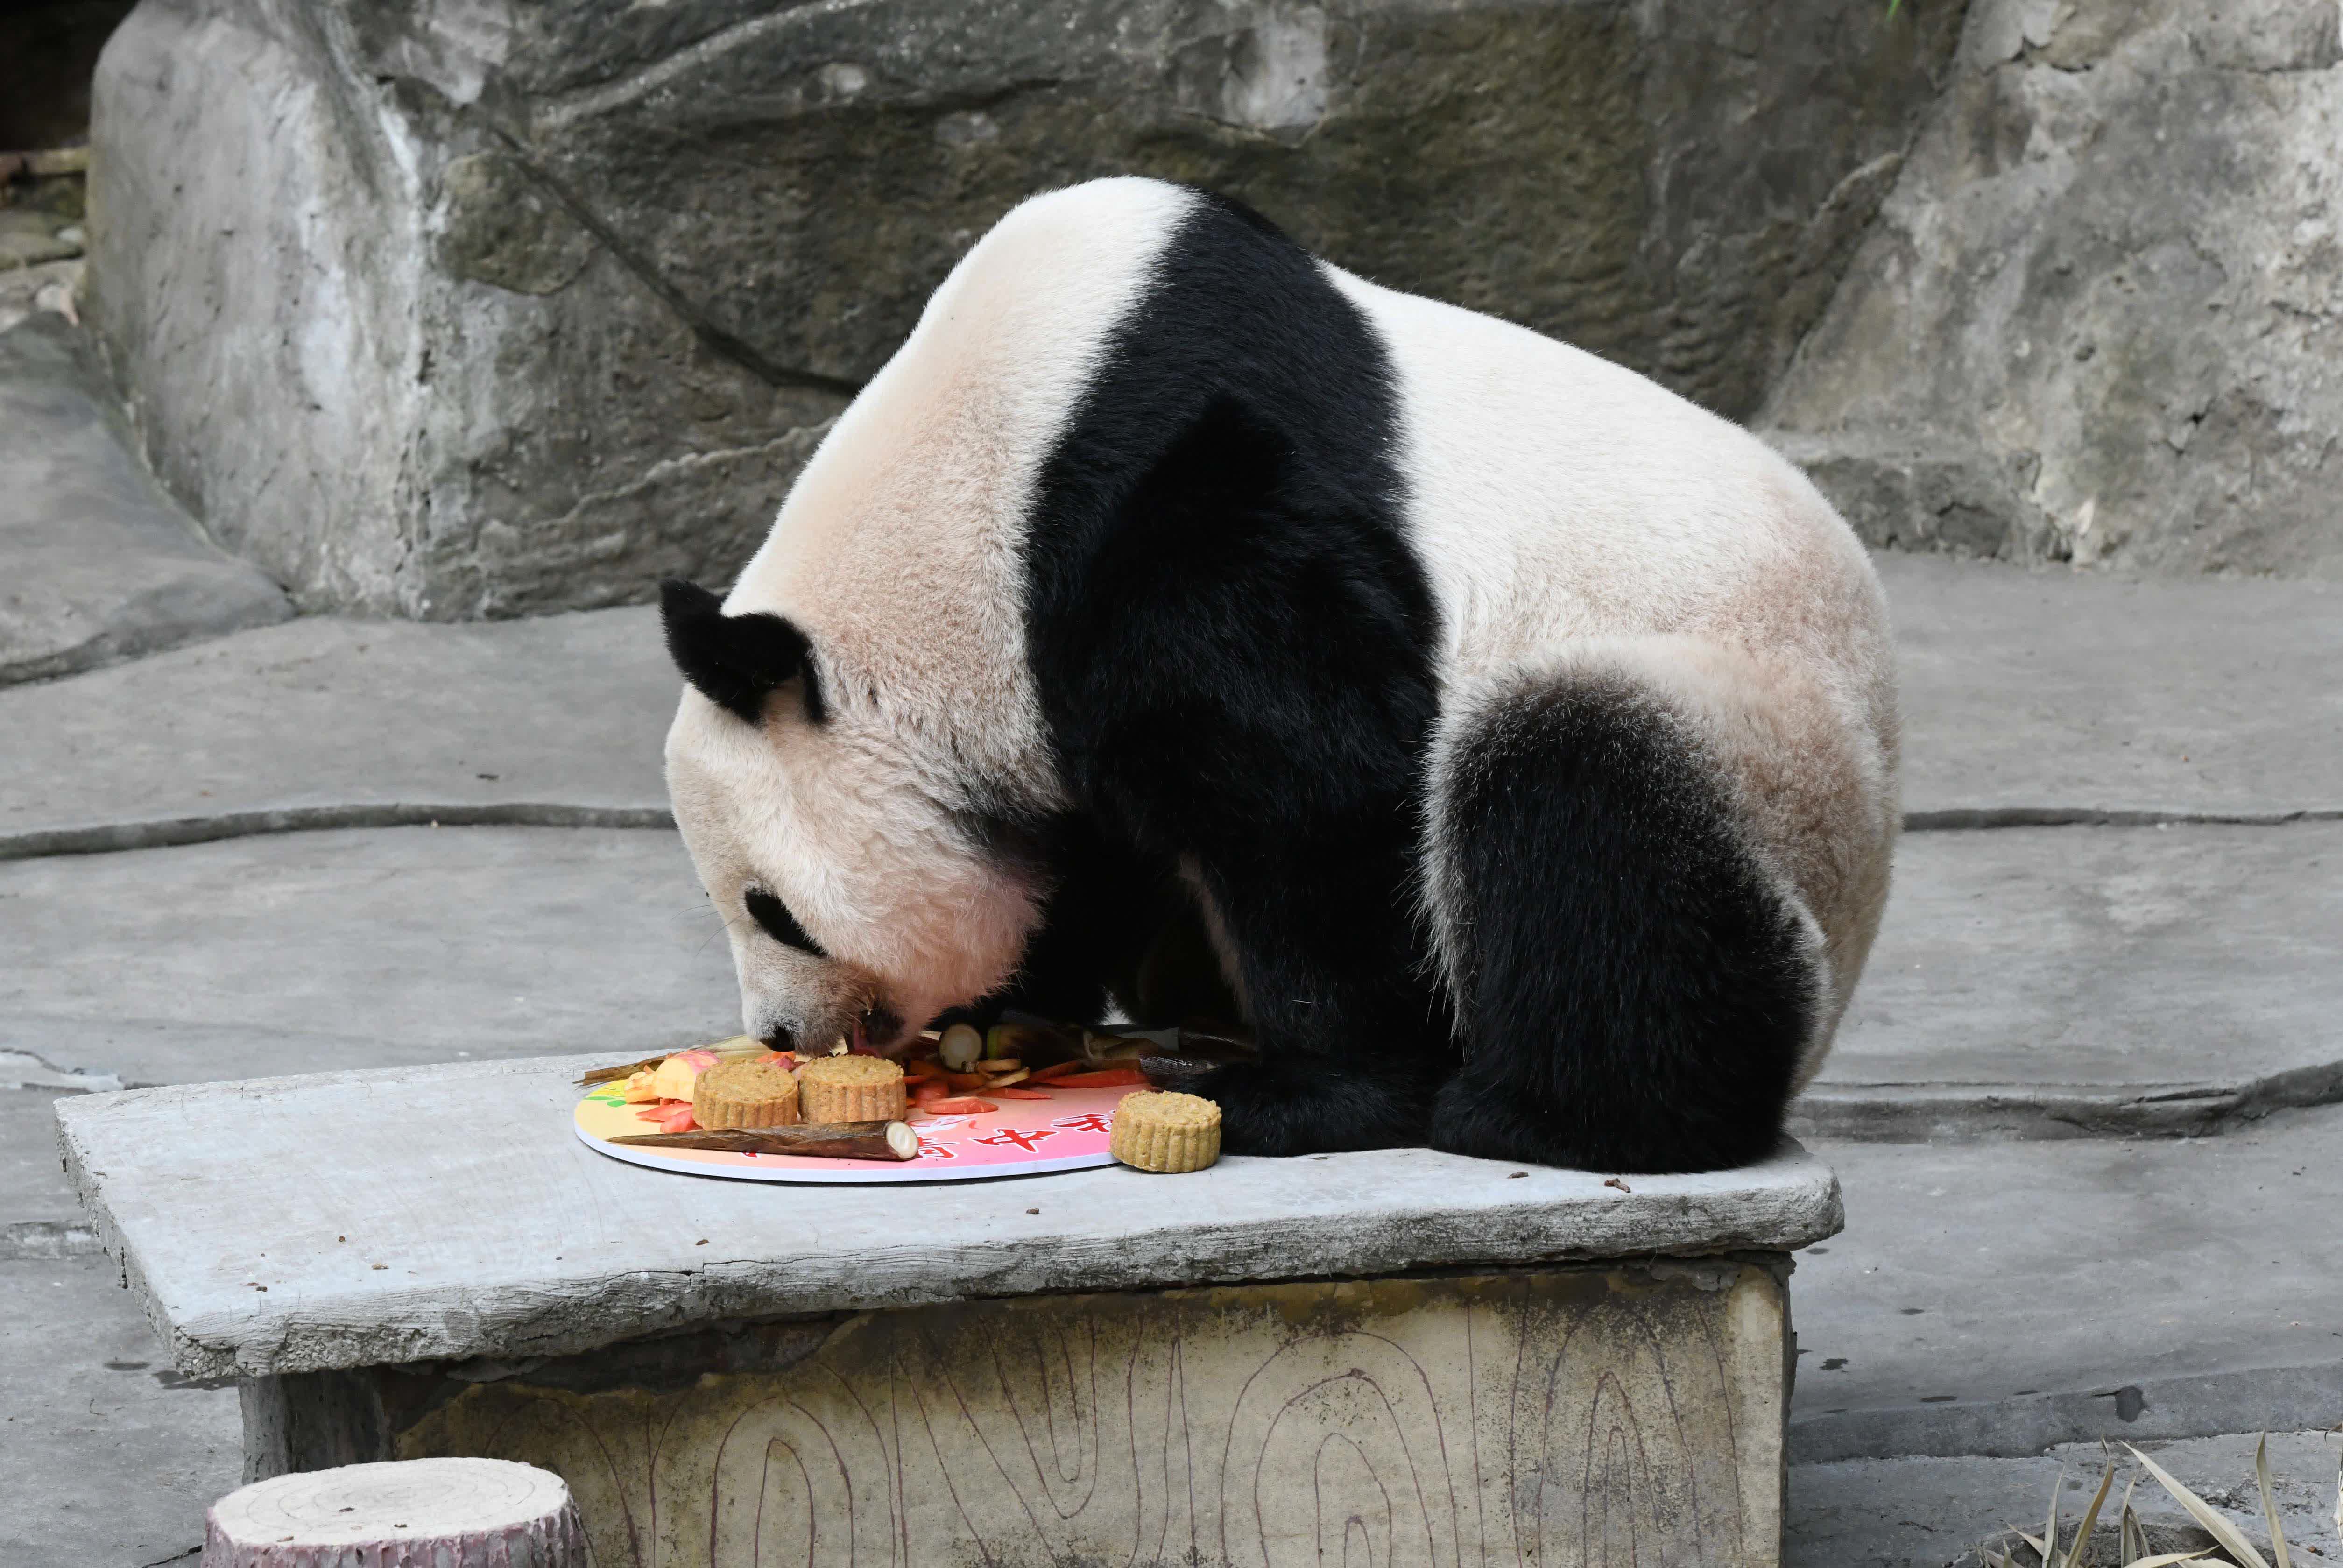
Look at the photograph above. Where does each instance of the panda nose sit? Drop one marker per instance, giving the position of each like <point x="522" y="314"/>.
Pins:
<point x="881" y="1026"/>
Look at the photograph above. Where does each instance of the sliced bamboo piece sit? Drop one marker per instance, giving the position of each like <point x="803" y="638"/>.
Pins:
<point x="960" y="1046"/>
<point x="812" y="1140"/>
<point x="401" y="1515"/>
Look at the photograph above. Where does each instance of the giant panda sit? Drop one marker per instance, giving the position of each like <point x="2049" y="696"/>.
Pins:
<point x="1180" y="624"/>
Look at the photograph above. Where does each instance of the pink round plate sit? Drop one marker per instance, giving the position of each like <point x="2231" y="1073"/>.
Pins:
<point x="1067" y="1132"/>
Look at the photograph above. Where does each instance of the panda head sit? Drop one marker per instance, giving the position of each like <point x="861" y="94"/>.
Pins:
<point x="856" y="899"/>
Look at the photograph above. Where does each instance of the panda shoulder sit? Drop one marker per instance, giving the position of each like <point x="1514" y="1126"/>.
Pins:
<point x="1101" y="230"/>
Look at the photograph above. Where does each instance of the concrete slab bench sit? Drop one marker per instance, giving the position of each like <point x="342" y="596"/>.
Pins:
<point x="1422" y="1358"/>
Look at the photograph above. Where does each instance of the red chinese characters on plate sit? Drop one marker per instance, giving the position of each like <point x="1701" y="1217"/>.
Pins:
<point x="1066" y="1131"/>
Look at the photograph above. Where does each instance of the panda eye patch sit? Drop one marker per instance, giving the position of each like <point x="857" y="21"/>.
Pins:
<point x="778" y="923"/>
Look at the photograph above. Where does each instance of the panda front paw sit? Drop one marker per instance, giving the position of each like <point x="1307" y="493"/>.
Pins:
<point x="1312" y="1106"/>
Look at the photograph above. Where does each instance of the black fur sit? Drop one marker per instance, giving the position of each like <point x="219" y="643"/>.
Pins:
<point x="780" y="924"/>
<point x="1103" y="900"/>
<point x="1637" y="991"/>
<point x="1230" y="640"/>
<point x="737" y="661"/>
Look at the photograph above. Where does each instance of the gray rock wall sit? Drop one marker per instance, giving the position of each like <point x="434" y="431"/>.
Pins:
<point x="454" y="307"/>
<point x="2101" y="317"/>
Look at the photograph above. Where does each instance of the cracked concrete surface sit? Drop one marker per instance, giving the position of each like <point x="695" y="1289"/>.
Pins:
<point x="324" y="720"/>
<point x="26" y="1069"/>
<point x="2025" y="695"/>
<point x="2072" y="695"/>
<point x="33" y="1186"/>
<point x="2058" y="981"/>
<point x="1993" y="1299"/>
<point x="304" y="951"/>
<point x="108" y="1457"/>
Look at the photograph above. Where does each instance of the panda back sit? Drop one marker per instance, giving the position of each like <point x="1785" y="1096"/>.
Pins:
<point x="1553" y="497"/>
<point x="899" y="549"/>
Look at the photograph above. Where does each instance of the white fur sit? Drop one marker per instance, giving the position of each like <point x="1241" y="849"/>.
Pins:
<point x="899" y="554"/>
<point x="1574" y="516"/>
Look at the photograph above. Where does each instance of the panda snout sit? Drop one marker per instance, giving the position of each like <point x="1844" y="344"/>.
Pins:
<point x="816" y="1004"/>
<point x="881" y="1028"/>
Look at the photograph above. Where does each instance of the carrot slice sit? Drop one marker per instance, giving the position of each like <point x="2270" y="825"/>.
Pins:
<point x="968" y="1080"/>
<point x="963" y="1107"/>
<point x="922" y="1069"/>
<point x="1110" y="1078"/>
<point x="1018" y="1094"/>
<point x="1058" y="1070"/>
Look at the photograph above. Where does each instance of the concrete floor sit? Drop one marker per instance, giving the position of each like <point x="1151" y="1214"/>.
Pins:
<point x="322" y="722"/>
<point x="1996" y="1299"/>
<point x="2012" y="1275"/>
<point x="2084" y="693"/>
<point x="2139" y="972"/>
<point x="107" y="1456"/>
<point x="300" y="952"/>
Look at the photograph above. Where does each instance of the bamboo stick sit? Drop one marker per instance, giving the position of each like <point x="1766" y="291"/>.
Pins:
<point x="813" y="1140"/>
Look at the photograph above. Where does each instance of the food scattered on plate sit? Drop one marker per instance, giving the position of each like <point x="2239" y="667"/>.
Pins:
<point x="735" y="1048"/>
<point x="674" y="1078"/>
<point x="1166" y="1132"/>
<point x="742" y="1096"/>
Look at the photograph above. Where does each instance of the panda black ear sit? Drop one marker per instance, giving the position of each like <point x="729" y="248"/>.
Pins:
<point x="736" y="661"/>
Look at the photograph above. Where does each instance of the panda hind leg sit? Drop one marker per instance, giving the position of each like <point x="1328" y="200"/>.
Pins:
<point x="1634" y="989"/>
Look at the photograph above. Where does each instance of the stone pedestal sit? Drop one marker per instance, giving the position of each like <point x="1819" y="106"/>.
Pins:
<point x="1623" y="1414"/>
<point x="1397" y="1357"/>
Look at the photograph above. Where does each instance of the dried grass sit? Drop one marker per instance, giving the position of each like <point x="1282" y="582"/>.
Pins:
<point x="2232" y="1547"/>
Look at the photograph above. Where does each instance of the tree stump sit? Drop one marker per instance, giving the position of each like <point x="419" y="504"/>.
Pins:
<point x="418" y="1514"/>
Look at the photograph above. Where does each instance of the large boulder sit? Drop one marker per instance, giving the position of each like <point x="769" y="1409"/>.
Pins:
<point x="452" y="307"/>
<point x="2099" y="318"/>
<point x="96" y="565"/>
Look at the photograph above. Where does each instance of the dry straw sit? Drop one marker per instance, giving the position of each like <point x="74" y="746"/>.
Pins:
<point x="2132" y="1539"/>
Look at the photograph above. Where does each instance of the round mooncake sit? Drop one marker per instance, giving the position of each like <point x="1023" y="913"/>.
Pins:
<point x="1171" y="1133"/>
<point x="761" y="1093"/>
<point x="851" y="1088"/>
